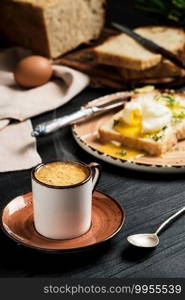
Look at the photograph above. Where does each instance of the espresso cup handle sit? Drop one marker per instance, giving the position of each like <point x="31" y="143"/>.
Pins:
<point x="96" y="173"/>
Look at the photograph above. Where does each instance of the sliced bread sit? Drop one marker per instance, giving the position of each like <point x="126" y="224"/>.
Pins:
<point x="124" y="52"/>
<point x="158" y="142"/>
<point x="164" y="69"/>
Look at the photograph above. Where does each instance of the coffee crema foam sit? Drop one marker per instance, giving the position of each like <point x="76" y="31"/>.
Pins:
<point x="61" y="174"/>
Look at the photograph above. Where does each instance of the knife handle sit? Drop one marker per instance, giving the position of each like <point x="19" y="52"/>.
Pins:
<point x="55" y="124"/>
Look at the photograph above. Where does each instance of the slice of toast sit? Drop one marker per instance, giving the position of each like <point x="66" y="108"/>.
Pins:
<point x="124" y="52"/>
<point x="155" y="145"/>
<point x="162" y="70"/>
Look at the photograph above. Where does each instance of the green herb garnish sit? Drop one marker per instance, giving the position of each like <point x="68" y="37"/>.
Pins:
<point x="156" y="137"/>
<point x="170" y="100"/>
<point x="122" y="153"/>
<point x="164" y="127"/>
<point x="167" y="99"/>
<point x="116" y="122"/>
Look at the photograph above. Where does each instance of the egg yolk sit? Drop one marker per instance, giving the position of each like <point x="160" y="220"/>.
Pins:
<point x="120" y="151"/>
<point x="134" y="128"/>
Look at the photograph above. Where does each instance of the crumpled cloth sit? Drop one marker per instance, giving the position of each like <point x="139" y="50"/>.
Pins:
<point x="18" y="148"/>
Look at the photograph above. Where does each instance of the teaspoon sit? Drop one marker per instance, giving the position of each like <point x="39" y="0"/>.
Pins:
<point x="149" y="240"/>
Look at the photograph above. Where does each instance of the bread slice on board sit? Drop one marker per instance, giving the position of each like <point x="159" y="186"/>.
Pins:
<point x="124" y="52"/>
<point x="156" y="144"/>
<point x="51" y="27"/>
<point x="162" y="70"/>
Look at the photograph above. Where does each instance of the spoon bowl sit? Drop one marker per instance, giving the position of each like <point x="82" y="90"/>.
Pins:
<point x="144" y="240"/>
<point x="150" y="240"/>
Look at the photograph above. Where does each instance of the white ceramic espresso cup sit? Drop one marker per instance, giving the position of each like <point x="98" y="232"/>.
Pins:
<point x="64" y="212"/>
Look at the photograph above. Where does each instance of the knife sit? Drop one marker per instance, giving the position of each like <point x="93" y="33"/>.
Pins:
<point x="55" y="124"/>
<point x="150" y="45"/>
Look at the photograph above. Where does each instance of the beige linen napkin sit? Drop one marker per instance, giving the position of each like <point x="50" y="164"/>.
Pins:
<point x="18" y="148"/>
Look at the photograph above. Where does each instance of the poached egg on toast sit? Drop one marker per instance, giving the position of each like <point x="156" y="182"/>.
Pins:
<point x="152" y="121"/>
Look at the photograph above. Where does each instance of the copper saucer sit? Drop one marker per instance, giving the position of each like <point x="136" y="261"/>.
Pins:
<point x="17" y="222"/>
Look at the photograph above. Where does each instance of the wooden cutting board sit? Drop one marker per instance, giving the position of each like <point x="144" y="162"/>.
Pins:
<point x="83" y="60"/>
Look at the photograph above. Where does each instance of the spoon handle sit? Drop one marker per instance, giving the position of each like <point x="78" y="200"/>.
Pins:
<point x="179" y="212"/>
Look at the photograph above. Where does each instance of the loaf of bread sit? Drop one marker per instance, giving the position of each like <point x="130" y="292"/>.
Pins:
<point x="51" y="27"/>
<point x="123" y="51"/>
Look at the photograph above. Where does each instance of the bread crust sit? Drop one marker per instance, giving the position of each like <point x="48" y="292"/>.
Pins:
<point x="51" y="27"/>
<point x="164" y="69"/>
<point x="14" y="20"/>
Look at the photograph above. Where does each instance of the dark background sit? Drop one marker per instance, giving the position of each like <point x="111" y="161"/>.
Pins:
<point x="148" y="199"/>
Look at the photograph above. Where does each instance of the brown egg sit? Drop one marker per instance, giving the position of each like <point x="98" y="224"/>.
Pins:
<point x="33" y="71"/>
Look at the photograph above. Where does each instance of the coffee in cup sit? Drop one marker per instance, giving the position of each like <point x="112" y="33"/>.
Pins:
<point x="61" y="173"/>
<point x="62" y="198"/>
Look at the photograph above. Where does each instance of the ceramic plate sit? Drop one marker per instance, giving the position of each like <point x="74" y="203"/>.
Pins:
<point x="107" y="220"/>
<point x="86" y="135"/>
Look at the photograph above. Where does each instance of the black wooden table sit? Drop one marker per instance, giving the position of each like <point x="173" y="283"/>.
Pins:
<point x="147" y="199"/>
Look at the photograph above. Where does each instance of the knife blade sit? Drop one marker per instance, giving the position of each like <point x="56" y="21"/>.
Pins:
<point x="58" y="123"/>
